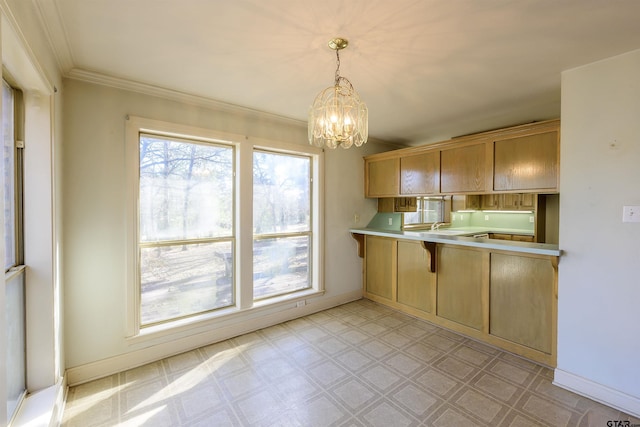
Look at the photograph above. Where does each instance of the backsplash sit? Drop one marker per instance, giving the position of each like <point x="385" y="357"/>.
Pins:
<point x="386" y="221"/>
<point x="497" y="220"/>
<point x="517" y="221"/>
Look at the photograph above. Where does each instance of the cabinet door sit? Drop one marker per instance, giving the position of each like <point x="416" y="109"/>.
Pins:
<point x="510" y="201"/>
<point x="463" y="169"/>
<point x="528" y="201"/>
<point x="518" y="201"/>
<point x="526" y="163"/>
<point x="522" y="238"/>
<point x="463" y="203"/>
<point x="461" y="275"/>
<point x="420" y="174"/>
<point x="379" y="253"/>
<point x="416" y="285"/>
<point x="382" y="177"/>
<point x="490" y="201"/>
<point x="501" y="236"/>
<point x="522" y="300"/>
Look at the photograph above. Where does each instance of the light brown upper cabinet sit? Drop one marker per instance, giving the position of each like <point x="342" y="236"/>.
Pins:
<point x="381" y="177"/>
<point x="465" y="202"/>
<point x="518" y="201"/>
<point x="527" y="162"/>
<point x="463" y="169"/>
<point x="420" y="174"/>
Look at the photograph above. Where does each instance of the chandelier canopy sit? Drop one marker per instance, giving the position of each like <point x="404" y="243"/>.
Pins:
<point x="337" y="116"/>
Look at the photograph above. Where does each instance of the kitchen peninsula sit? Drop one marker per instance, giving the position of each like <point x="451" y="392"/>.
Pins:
<point x="502" y="292"/>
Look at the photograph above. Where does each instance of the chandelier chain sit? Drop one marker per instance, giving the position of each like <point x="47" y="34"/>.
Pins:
<point x="337" y="66"/>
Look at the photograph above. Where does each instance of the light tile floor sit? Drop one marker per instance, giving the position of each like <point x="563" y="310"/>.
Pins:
<point x="360" y="364"/>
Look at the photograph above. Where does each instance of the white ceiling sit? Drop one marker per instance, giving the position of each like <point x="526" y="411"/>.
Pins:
<point x="427" y="69"/>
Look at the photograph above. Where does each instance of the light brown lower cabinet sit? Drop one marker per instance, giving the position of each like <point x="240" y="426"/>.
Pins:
<point x="506" y="299"/>
<point x="380" y="266"/>
<point x="522" y="300"/>
<point x="461" y="284"/>
<point x="416" y="284"/>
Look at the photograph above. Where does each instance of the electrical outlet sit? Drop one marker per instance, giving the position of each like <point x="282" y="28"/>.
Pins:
<point x="631" y="214"/>
<point x="390" y="221"/>
<point x="531" y="219"/>
<point x="301" y="303"/>
<point x="486" y="217"/>
<point x="356" y="218"/>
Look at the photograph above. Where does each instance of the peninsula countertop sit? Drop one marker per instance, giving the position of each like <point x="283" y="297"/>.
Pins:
<point x="464" y="237"/>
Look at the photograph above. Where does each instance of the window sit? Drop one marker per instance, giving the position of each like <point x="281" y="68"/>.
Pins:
<point x="217" y="226"/>
<point x="430" y="210"/>
<point x="14" y="309"/>
<point x="281" y="223"/>
<point x="186" y="227"/>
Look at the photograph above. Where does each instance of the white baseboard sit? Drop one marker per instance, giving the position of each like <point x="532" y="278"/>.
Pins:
<point x="598" y="392"/>
<point x="42" y="408"/>
<point x="102" y="368"/>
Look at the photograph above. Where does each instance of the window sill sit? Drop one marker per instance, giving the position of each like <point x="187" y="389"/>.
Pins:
<point x="201" y="323"/>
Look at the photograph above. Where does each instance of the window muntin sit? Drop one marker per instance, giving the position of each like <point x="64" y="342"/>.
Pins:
<point x="430" y="210"/>
<point x="186" y="227"/>
<point x="281" y="223"/>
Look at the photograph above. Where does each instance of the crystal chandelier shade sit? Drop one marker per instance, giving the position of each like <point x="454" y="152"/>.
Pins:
<point x="338" y="117"/>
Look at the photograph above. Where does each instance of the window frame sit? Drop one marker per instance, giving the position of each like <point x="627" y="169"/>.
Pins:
<point x="291" y="234"/>
<point x="445" y="208"/>
<point x="244" y="147"/>
<point x="173" y="241"/>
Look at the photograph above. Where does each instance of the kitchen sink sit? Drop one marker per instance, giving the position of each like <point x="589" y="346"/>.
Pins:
<point x="441" y="233"/>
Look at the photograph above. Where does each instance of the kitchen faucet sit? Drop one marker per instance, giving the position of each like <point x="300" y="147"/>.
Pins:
<point x="436" y="225"/>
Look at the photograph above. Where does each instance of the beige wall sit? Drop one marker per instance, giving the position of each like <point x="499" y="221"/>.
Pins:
<point x="94" y="218"/>
<point x="599" y="271"/>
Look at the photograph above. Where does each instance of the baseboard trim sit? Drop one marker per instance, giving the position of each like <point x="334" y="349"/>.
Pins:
<point x="102" y="368"/>
<point x="598" y="392"/>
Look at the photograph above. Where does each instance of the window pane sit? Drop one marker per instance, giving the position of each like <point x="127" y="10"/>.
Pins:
<point x="433" y="210"/>
<point x="281" y="206"/>
<point x="8" y="175"/>
<point x="183" y="280"/>
<point x="15" y="342"/>
<point x="414" y="217"/>
<point x="186" y="190"/>
<point x="430" y="210"/>
<point x="280" y="265"/>
<point x="281" y="193"/>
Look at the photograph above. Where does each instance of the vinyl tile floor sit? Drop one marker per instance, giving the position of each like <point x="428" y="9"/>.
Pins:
<point x="359" y="364"/>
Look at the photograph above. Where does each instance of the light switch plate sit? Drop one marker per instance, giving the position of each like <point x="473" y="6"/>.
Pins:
<point x="631" y="214"/>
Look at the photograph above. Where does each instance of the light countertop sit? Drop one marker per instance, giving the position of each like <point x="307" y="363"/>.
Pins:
<point x="463" y="237"/>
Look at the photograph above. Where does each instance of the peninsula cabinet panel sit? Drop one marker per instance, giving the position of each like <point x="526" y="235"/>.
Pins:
<point x="381" y="178"/>
<point x="416" y="285"/>
<point x="522" y="300"/>
<point x="461" y="289"/>
<point x="526" y="163"/>
<point x="420" y="174"/>
<point x="463" y="169"/>
<point x="379" y="270"/>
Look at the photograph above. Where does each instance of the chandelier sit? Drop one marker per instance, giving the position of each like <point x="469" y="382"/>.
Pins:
<point x="337" y="116"/>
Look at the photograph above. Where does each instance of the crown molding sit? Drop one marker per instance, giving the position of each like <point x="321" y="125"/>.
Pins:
<point x="182" y="97"/>
<point x="49" y="16"/>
